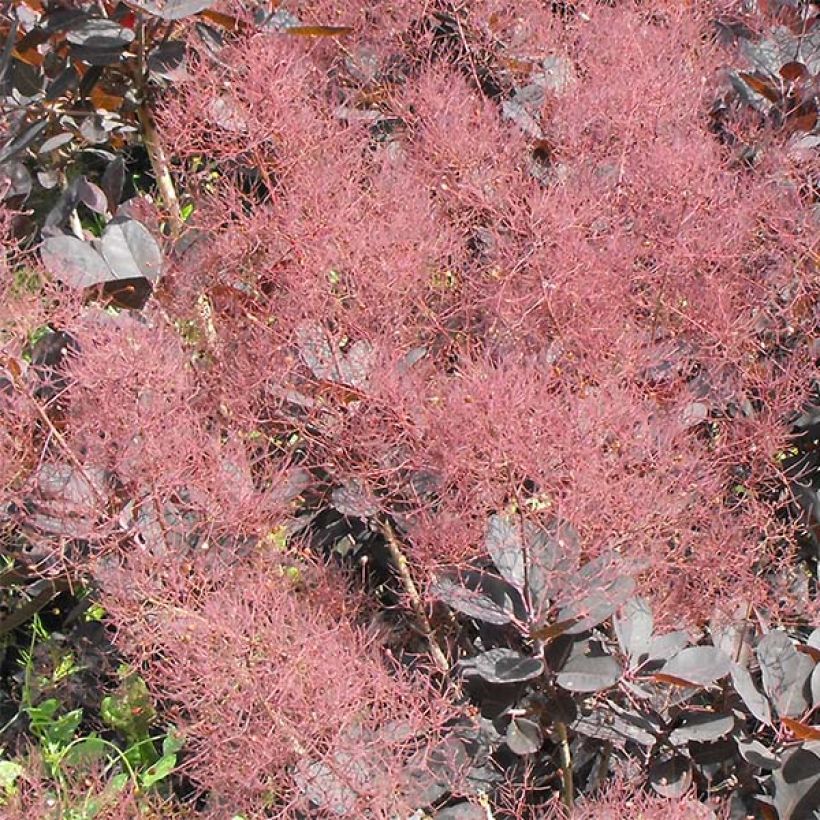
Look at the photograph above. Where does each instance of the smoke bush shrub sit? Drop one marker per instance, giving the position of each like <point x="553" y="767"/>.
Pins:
<point x="421" y="285"/>
<point x="601" y="335"/>
<point x="280" y="696"/>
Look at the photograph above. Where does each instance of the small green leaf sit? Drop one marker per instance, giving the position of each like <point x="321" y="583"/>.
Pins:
<point x="85" y="751"/>
<point x="159" y="771"/>
<point x="9" y="772"/>
<point x="172" y="742"/>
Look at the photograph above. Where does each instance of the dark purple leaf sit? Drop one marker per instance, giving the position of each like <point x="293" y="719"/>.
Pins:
<point x="595" y="608"/>
<point x="504" y="666"/>
<point x="671" y="776"/>
<point x="130" y="250"/>
<point x="633" y="627"/>
<point x="469" y="602"/>
<point x="698" y="665"/>
<point x="604" y="724"/>
<point x="112" y="182"/>
<point x="663" y="647"/>
<point x="506" y="547"/>
<point x="94" y="130"/>
<point x="797" y="784"/>
<point x="74" y="262"/>
<point x="702" y="727"/>
<point x="65" y="80"/>
<point x="589" y="673"/>
<point x="757" y="754"/>
<point x="785" y="673"/>
<point x="48" y="179"/>
<point x="815" y="686"/>
<point x="168" y="61"/>
<point x="524" y="736"/>
<point x="99" y="33"/>
<point x="756" y="702"/>
<point x="15" y="180"/>
<point x="350" y="366"/>
<point x="333" y="786"/>
<point x="23" y="139"/>
<point x="173" y="9"/>
<point x="127" y="293"/>
<point x="91" y="196"/>
<point x="462" y="811"/>
<point x="354" y="500"/>
<point x="553" y="556"/>
<point x="8" y="48"/>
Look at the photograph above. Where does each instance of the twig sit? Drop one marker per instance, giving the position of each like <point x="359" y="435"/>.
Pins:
<point x="159" y="164"/>
<point x="30" y="609"/>
<point x="400" y="561"/>
<point x="567" y="786"/>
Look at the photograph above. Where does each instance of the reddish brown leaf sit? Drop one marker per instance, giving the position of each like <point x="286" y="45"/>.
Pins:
<point x="660" y="677"/>
<point x="794" y="71"/>
<point x="812" y="651"/>
<point x="800" y="730"/>
<point x="318" y="31"/>
<point x="761" y="85"/>
<point x="550" y="631"/>
<point x="224" y="21"/>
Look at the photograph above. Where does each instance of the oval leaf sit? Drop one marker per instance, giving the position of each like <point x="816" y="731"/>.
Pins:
<point x="74" y="262"/>
<point x="589" y="674"/>
<point x="594" y="609"/>
<point x="505" y="545"/>
<point x="633" y="627"/>
<point x="754" y="752"/>
<point x="797" y="784"/>
<point x="469" y="602"/>
<point x="664" y="647"/>
<point x="173" y="9"/>
<point x="100" y="33"/>
<point x="92" y="196"/>
<point x="703" y="727"/>
<point x="785" y="673"/>
<point x="671" y="777"/>
<point x="756" y="702"/>
<point x="698" y="665"/>
<point x="130" y="250"/>
<point x="524" y="736"/>
<point x="504" y="666"/>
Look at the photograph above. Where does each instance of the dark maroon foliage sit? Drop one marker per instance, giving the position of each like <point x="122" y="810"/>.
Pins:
<point x="469" y="393"/>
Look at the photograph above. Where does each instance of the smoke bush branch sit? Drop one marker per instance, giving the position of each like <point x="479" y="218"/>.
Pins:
<point x="397" y="555"/>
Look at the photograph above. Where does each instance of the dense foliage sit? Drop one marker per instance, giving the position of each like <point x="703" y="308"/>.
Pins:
<point x="410" y="409"/>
